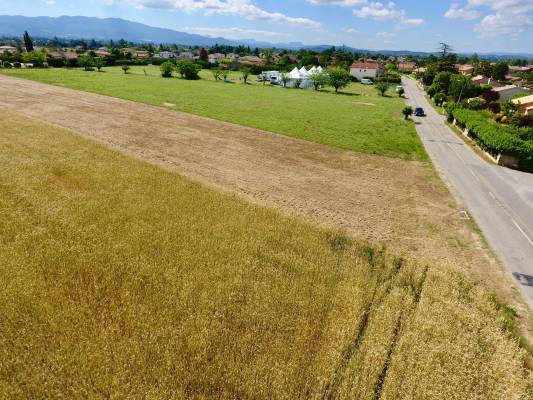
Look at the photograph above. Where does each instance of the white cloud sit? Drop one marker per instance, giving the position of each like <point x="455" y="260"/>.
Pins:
<point x="508" y="17"/>
<point x="456" y="12"/>
<point x="235" y="33"/>
<point x="242" y="8"/>
<point x="50" y="2"/>
<point x="386" y="12"/>
<point x="346" y="3"/>
<point x="350" y="30"/>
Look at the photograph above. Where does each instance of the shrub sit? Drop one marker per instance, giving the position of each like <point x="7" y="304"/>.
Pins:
<point x="382" y="87"/>
<point x="217" y="73"/>
<point x="431" y="91"/>
<point x="191" y="70"/>
<point x="125" y="68"/>
<point x="166" y="69"/>
<point x="245" y="74"/>
<point x="407" y="112"/>
<point x="339" y="78"/>
<point x="477" y="103"/>
<point x="494" y="107"/>
<point x="439" y="98"/>
<point x="491" y="95"/>
<point x="7" y="64"/>
<point x="490" y="136"/>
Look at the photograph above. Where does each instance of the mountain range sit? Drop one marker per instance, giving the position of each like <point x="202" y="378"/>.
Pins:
<point x="79" y="27"/>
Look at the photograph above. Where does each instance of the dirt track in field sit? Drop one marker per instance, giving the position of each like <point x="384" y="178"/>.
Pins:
<point x="401" y="204"/>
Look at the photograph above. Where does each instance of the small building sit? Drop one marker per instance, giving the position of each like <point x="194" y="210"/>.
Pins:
<point x="466" y="69"/>
<point x="214" y="58"/>
<point x="514" y="69"/>
<point x="482" y="80"/>
<point x="506" y="92"/>
<point x="141" y="54"/>
<point x="525" y="104"/>
<point x="186" y="55"/>
<point x="232" y="56"/>
<point x="167" y="55"/>
<point x="250" y="60"/>
<point x="366" y="70"/>
<point x="407" y="66"/>
<point x="9" y="49"/>
<point x="102" y="53"/>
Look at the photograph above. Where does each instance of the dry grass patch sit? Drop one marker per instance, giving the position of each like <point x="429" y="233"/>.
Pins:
<point x="121" y="280"/>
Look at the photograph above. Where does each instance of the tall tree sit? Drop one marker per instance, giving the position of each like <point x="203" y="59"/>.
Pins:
<point x="28" y="43"/>
<point x="203" y="55"/>
<point x="500" y="70"/>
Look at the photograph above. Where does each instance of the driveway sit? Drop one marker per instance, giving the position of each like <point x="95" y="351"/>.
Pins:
<point x="499" y="199"/>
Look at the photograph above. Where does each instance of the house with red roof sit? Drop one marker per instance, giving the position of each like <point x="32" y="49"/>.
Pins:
<point x="366" y="70"/>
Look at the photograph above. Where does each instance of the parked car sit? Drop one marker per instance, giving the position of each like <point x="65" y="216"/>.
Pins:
<point x="419" y="112"/>
<point x="366" y="81"/>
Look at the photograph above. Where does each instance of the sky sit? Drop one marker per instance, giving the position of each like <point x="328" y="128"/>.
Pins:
<point x="467" y="25"/>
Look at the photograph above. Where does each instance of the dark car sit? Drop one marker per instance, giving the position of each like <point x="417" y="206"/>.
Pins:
<point x="419" y="112"/>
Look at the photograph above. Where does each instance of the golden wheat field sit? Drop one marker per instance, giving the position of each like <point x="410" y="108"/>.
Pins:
<point x="124" y="281"/>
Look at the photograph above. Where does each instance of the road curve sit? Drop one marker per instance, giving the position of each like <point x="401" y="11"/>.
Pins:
<point x="499" y="199"/>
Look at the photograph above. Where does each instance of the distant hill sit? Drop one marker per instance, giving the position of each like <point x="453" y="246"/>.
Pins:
<point x="98" y="28"/>
<point x="117" y="28"/>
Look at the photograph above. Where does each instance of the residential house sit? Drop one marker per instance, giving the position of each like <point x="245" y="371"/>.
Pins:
<point x="407" y="66"/>
<point x="514" y="69"/>
<point x="214" y="58"/>
<point x="141" y="54"/>
<point x="251" y="60"/>
<point x="102" y="52"/>
<point x="60" y="54"/>
<point x="506" y="92"/>
<point x="482" y="80"/>
<point x="525" y="104"/>
<point x="466" y="69"/>
<point x="232" y="56"/>
<point x="9" y="49"/>
<point x="366" y="70"/>
<point x="167" y="55"/>
<point x="137" y="53"/>
<point x="186" y="55"/>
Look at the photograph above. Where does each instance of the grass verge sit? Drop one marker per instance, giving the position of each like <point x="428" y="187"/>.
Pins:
<point x="122" y="280"/>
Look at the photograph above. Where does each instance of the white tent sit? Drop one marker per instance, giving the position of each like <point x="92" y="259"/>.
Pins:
<point x="319" y="69"/>
<point x="294" y="74"/>
<point x="303" y="73"/>
<point x="313" y="70"/>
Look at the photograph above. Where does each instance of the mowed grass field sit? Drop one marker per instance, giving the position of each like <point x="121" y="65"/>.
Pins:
<point x="358" y="119"/>
<point x="122" y="280"/>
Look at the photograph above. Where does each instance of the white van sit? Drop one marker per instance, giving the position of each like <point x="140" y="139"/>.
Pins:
<point x="366" y="81"/>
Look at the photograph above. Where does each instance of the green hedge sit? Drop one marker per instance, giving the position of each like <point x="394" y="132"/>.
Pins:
<point x="491" y="136"/>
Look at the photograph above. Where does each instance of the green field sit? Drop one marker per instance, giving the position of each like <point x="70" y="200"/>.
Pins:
<point x="121" y="280"/>
<point x="358" y="119"/>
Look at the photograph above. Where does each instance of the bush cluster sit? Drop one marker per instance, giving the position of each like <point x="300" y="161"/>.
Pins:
<point x="490" y="136"/>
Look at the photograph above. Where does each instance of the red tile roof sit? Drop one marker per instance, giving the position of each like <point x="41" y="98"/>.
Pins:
<point x="366" y="65"/>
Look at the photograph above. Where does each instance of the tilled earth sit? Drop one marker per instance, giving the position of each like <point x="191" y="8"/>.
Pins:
<point x="401" y="204"/>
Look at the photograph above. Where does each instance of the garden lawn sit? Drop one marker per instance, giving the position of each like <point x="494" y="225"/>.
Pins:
<point x="356" y="119"/>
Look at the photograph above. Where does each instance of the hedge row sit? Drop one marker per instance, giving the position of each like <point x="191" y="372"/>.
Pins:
<point x="492" y="137"/>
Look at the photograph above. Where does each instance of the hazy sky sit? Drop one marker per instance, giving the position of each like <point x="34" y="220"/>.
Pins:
<point x="468" y="25"/>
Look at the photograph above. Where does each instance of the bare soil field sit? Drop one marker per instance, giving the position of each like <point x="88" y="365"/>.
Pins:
<point x="400" y="204"/>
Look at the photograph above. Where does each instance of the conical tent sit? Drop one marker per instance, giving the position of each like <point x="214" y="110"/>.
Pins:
<point x="313" y="70"/>
<point x="294" y="74"/>
<point x="319" y="69"/>
<point x="303" y="72"/>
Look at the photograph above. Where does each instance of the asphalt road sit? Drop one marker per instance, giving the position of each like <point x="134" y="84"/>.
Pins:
<point x="499" y="199"/>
